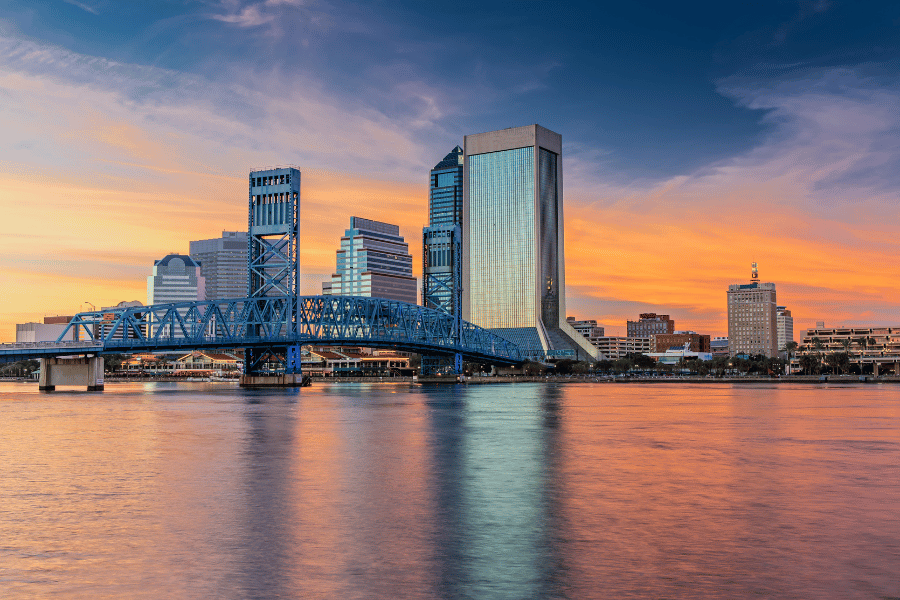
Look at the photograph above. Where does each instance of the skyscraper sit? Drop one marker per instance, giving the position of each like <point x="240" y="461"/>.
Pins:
<point x="374" y="261"/>
<point x="441" y="240"/>
<point x="175" y="278"/>
<point x="513" y="264"/>
<point x="446" y="193"/>
<point x="223" y="263"/>
<point x="752" y="327"/>
<point x="785" y="323"/>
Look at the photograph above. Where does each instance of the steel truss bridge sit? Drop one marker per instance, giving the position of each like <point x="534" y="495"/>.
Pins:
<point x="266" y="326"/>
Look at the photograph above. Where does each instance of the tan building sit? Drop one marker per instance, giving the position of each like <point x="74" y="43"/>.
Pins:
<point x="698" y="343"/>
<point x="650" y="324"/>
<point x="752" y="322"/>
<point x="876" y="347"/>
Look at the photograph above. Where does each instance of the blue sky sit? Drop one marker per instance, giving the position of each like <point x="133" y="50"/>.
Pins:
<point x="769" y="129"/>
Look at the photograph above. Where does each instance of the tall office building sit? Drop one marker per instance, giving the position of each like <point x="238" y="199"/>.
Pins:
<point x="785" y="323"/>
<point x="441" y="240"/>
<point x="446" y="193"/>
<point x="374" y="261"/>
<point x="752" y="324"/>
<point x="223" y="263"/>
<point x="176" y="278"/>
<point x="650" y="324"/>
<point x="513" y="264"/>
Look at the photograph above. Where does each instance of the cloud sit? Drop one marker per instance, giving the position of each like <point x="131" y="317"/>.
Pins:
<point x="82" y="6"/>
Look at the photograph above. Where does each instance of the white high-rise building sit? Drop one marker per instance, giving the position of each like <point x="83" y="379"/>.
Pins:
<point x="752" y="323"/>
<point x="176" y="278"/>
<point x="785" y="326"/>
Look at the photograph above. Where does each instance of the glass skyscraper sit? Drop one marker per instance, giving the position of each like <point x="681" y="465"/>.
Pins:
<point x="445" y="199"/>
<point x="441" y="239"/>
<point x="513" y="267"/>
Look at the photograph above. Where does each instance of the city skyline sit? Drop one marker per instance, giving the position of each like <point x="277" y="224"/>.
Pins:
<point x="762" y="139"/>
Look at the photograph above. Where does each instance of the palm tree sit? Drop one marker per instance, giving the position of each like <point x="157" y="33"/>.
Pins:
<point x="791" y="348"/>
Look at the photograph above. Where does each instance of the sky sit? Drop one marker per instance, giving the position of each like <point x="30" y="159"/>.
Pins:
<point x="698" y="137"/>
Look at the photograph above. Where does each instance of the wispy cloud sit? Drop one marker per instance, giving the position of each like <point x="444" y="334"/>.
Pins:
<point x="83" y="6"/>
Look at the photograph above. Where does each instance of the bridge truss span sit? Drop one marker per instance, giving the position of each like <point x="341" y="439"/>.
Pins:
<point x="268" y="323"/>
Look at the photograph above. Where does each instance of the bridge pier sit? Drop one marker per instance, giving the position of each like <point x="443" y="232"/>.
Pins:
<point x="269" y="381"/>
<point x="71" y="371"/>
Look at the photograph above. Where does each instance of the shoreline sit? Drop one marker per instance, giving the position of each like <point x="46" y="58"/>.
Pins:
<point x="512" y="379"/>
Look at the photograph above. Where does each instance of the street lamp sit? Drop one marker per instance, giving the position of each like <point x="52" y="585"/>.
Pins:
<point x="93" y="308"/>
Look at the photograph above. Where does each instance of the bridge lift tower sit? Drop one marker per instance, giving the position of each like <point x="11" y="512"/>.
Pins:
<point x="273" y="266"/>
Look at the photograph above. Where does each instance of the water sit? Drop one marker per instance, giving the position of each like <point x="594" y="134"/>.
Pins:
<point x="492" y="491"/>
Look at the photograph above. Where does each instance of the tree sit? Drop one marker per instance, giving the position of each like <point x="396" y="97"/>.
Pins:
<point x="791" y="349"/>
<point x="810" y="363"/>
<point x="605" y="365"/>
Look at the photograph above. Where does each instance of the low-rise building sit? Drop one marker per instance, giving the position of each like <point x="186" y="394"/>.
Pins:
<point x="344" y="362"/>
<point x="695" y="341"/>
<point x="613" y="347"/>
<point x="588" y="328"/>
<point x="48" y="331"/>
<point x="718" y="346"/>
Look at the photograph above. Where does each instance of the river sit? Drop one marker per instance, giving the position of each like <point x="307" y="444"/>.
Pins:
<point x="377" y="491"/>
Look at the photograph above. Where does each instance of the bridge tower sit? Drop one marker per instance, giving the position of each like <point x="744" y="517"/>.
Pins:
<point x="273" y="268"/>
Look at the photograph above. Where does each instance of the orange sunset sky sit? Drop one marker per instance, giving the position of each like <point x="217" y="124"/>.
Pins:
<point x="111" y="161"/>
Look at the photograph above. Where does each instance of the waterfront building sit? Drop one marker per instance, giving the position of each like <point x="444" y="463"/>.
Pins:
<point x="442" y="239"/>
<point x="373" y="261"/>
<point x="223" y="264"/>
<point x="675" y="355"/>
<point x="718" y="346"/>
<point x="587" y="328"/>
<point x="785" y="324"/>
<point x="175" y="278"/>
<point x="678" y="339"/>
<point x="613" y="347"/>
<point x="752" y="325"/>
<point x="877" y="348"/>
<point x="650" y="324"/>
<point x="48" y="331"/>
<point x="513" y="264"/>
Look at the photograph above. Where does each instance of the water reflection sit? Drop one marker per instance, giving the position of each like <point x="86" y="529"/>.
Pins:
<point x="492" y="506"/>
<point x="506" y="491"/>
<point x="266" y="547"/>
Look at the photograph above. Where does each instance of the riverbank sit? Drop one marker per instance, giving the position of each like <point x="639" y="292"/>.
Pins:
<point x="512" y="379"/>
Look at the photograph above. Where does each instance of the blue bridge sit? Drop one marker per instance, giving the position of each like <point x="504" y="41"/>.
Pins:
<point x="268" y="325"/>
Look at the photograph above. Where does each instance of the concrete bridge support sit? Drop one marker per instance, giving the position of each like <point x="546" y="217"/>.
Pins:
<point x="285" y="380"/>
<point x="71" y="371"/>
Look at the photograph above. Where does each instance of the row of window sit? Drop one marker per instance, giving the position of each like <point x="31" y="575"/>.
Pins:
<point x="282" y="179"/>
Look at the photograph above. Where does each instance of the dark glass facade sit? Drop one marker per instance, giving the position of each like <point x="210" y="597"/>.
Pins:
<point x="441" y="239"/>
<point x="445" y="199"/>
